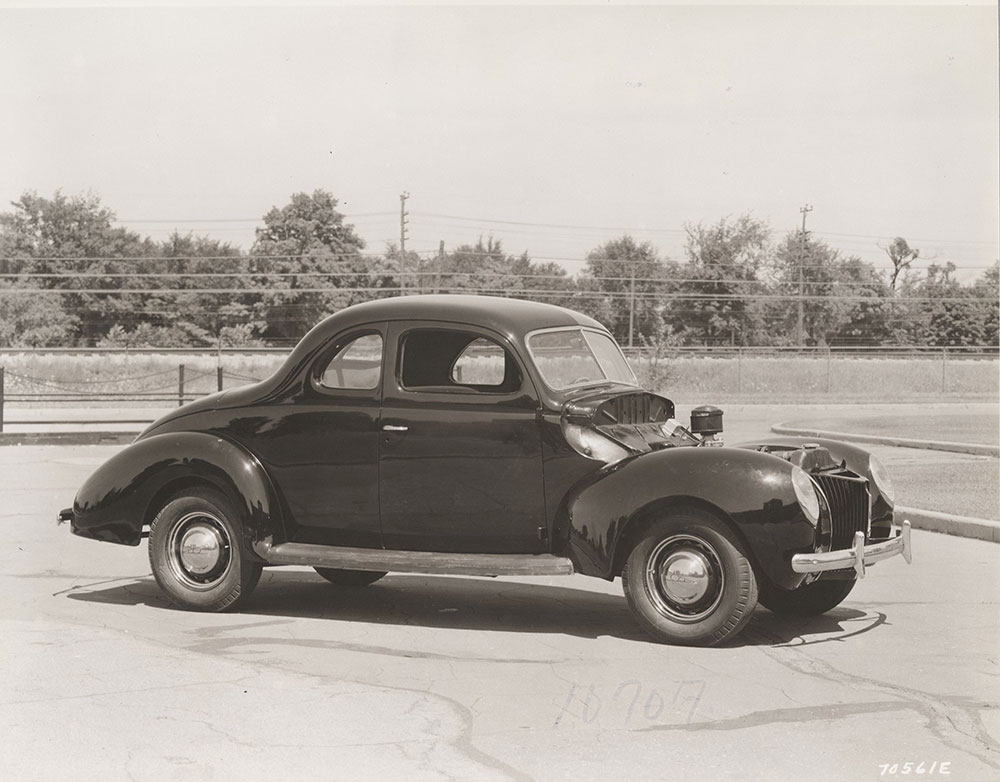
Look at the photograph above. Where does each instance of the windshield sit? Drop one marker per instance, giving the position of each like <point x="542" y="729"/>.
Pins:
<point x="577" y="357"/>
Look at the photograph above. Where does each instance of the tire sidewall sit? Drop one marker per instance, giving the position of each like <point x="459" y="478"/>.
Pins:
<point x="739" y="591"/>
<point x="242" y="573"/>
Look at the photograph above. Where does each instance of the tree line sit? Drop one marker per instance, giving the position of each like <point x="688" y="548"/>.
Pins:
<point x="69" y="276"/>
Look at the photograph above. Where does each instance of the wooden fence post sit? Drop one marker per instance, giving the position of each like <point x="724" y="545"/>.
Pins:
<point x="180" y="385"/>
<point x="944" y="369"/>
<point x="1" y="399"/>
<point x="218" y="376"/>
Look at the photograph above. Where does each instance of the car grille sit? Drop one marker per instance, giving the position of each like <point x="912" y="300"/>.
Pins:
<point x="849" y="507"/>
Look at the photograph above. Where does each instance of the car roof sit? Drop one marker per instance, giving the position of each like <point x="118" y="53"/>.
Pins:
<point x="512" y="317"/>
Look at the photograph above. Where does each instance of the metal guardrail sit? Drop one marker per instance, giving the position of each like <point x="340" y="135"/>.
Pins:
<point x="68" y="397"/>
<point x="197" y="351"/>
<point x="873" y="351"/>
<point x="837" y="351"/>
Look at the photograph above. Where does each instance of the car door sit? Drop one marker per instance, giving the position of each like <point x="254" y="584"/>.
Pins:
<point x="321" y="447"/>
<point x="460" y="458"/>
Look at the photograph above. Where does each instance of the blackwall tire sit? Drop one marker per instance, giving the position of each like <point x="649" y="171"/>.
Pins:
<point x="350" y="578"/>
<point x="198" y="554"/>
<point x="688" y="581"/>
<point x="809" y="600"/>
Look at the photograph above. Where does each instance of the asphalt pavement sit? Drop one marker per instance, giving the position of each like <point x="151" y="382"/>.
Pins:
<point x="423" y="677"/>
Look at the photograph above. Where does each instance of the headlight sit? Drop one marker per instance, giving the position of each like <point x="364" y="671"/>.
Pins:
<point x="883" y="482"/>
<point x="805" y="493"/>
<point x="593" y="445"/>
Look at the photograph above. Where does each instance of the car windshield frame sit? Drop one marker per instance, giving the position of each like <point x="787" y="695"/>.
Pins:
<point x="606" y="371"/>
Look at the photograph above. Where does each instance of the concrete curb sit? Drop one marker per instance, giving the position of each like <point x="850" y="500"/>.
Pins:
<point x="67" y="438"/>
<point x="962" y="526"/>
<point x="976" y="449"/>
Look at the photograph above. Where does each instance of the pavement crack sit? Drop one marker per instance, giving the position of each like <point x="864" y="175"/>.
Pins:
<point x="953" y="720"/>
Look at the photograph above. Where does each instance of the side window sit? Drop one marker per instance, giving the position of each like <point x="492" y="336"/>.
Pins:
<point x="482" y="363"/>
<point x="357" y="365"/>
<point x="445" y="360"/>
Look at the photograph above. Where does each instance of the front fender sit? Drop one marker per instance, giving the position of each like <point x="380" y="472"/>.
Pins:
<point x="856" y="459"/>
<point x="115" y="502"/>
<point x="751" y="491"/>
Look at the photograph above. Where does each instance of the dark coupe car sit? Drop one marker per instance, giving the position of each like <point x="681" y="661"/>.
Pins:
<point x="487" y="436"/>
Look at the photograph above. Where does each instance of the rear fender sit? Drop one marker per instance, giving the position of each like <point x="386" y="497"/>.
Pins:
<point x="126" y="491"/>
<point x="752" y="492"/>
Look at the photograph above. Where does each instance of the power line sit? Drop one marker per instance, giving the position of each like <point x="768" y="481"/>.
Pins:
<point x="523" y="223"/>
<point x="207" y="220"/>
<point x="502" y="291"/>
<point x="457" y="253"/>
<point x="448" y="276"/>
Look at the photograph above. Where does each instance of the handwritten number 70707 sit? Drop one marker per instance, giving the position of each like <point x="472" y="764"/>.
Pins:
<point x="632" y="701"/>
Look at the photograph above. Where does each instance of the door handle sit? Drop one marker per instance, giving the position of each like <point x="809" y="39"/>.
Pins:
<point x="393" y="428"/>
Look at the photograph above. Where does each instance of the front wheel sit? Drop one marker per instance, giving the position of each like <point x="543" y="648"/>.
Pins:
<point x="197" y="554"/>
<point x="808" y="600"/>
<point x="688" y="581"/>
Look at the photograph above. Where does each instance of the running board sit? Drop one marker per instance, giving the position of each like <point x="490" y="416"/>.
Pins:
<point x="419" y="561"/>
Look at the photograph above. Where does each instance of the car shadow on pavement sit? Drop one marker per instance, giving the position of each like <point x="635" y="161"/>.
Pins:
<point x="468" y="603"/>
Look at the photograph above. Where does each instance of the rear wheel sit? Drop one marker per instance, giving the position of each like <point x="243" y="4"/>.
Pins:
<point x="343" y="577"/>
<point x="688" y="581"/>
<point x="808" y="600"/>
<point x="197" y="554"/>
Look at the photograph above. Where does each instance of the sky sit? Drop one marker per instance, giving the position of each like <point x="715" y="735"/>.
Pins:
<point x="552" y="129"/>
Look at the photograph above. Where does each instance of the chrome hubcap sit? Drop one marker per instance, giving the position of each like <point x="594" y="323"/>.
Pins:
<point x="199" y="551"/>
<point x="684" y="578"/>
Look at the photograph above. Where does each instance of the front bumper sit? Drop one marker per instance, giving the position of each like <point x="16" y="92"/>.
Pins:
<point x="858" y="556"/>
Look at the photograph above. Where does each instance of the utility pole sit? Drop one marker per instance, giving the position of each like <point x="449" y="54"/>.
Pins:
<point x="802" y="260"/>
<point x="402" y="235"/>
<point x="439" y="267"/>
<point x="631" y="302"/>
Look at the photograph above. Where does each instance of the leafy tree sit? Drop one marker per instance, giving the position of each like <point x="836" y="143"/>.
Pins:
<point x="546" y="281"/>
<point x="722" y="277"/>
<point x="478" y="268"/>
<point x="69" y="236"/>
<point x="615" y="271"/>
<point x="835" y="316"/>
<point x="486" y="268"/>
<point x="957" y="315"/>
<point x="32" y="319"/>
<point x="306" y="236"/>
<point x="987" y="289"/>
<point x="399" y="272"/>
<point x="901" y="255"/>
<point x="200" y="318"/>
<point x="869" y="321"/>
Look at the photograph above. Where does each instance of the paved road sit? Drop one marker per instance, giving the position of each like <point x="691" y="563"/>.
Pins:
<point x="469" y="678"/>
